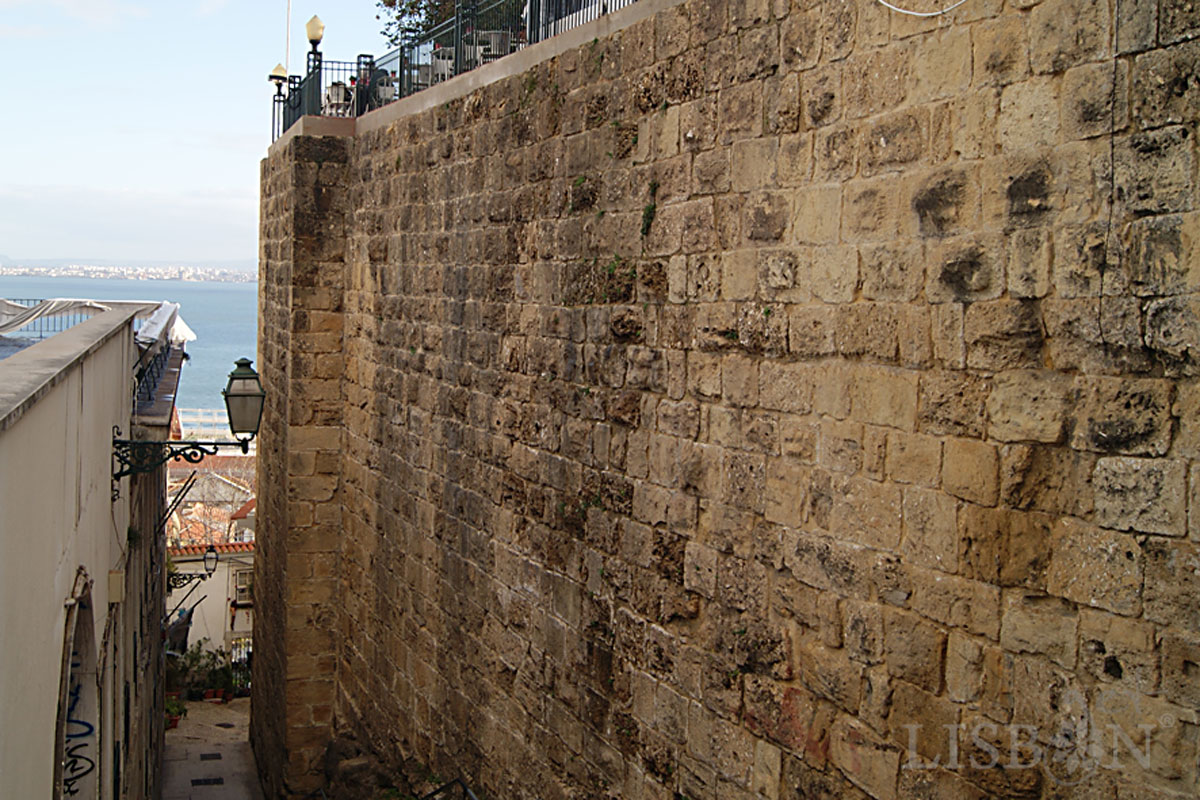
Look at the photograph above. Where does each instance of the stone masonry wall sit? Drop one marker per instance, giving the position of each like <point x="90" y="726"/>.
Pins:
<point x="298" y="517"/>
<point x="770" y="400"/>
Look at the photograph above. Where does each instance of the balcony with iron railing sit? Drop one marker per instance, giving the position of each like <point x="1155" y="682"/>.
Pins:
<point x="477" y="34"/>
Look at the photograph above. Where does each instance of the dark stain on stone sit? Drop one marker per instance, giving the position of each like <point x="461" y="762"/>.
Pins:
<point x="583" y="195"/>
<point x="1093" y="112"/>
<point x="625" y="136"/>
<point x="652" y="280"/>
<point x="965" y="273"/>
<point x="1178" y="86"/>
<point x="1130" y="429"/>
<point x="820" y="107"/>
<point x="998" y="62"/>
<point x="626" y="325"/>
<point x="1029" y="193"/>
<point x="938" y="203"/>
<point x="596" y="110"/>
<point x="625" y="408"/>
<point x="1112" y="667"/>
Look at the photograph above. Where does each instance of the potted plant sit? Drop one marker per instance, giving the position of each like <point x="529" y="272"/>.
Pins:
<point x="176" y="711"/>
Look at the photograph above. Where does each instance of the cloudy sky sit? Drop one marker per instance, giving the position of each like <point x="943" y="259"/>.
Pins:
<point x="133" y="129"/>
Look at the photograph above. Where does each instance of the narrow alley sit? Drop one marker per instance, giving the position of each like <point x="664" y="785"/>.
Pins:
<point x="208" y="756"/>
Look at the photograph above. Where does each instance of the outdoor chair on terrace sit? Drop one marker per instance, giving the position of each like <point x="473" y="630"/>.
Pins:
<point x="337" y="100"/>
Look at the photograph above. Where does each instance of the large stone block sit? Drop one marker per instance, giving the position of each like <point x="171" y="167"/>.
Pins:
<point x="1140" y="494"/>
<point x="1172" y="590"/>
<point x="914" y="649"/>
<point x="1122" y="416"/>
<point x="1095" y="567"/>
<point x="1005" y="547"/>
<point x="863" y="758"/>
<point x="1155" y="171"/>
<point x="1033" y="623"/>
<point x="1028" y="406"/>
<point x="970" y="471"/>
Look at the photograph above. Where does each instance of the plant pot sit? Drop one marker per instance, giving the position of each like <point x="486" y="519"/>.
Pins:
<point x="172" y="722"/>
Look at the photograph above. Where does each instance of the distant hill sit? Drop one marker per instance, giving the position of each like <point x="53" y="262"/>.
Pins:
<point x="235" y="265"/>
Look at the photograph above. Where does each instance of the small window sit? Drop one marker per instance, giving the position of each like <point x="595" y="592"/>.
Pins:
<point x="244" y="585"/>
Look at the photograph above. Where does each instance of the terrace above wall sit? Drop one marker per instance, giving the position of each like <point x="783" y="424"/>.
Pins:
<point x="476" y="38"/>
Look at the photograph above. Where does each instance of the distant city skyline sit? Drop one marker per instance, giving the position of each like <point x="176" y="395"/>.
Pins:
<point x="138" y="127"/>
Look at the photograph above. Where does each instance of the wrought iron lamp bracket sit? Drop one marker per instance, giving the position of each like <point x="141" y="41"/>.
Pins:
<point x="136" y="457"/>
<point x="178" y="580"/>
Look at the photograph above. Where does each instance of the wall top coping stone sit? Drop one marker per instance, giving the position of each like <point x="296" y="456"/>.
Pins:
<point x="26" y="376"/>
<point x="462" y="85"/>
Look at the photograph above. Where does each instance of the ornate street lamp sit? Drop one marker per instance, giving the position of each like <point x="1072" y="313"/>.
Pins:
<point x="278" y="77"/>
<point x="244" y="398"/>
<point x="177" y="580"/>
<point x="315" y="30"/>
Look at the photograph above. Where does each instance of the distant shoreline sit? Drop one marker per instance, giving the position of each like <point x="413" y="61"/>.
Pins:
<point x="209" y="274"/>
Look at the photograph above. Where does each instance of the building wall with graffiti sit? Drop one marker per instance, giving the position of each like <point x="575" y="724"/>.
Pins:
<point x="81" y="573"/>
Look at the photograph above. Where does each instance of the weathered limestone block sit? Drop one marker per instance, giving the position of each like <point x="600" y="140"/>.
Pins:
<point x="1172" y="591"/>
<point x="1029" y="115"/>
<point x="930" y="531"/>
<point x="952" y="403"/>
<point x="1155" y="171"/>
<point x="1033" y="623"/>
<point x="872" y="211"/>
<point x="874" y="81"/>
<point x="914" y="649"/>
<point x="1164" y="255"/>
<point x="1123" y="416"/>
<point x="1095" y="567"/>
<point x="1004" y="334"/>
<point x="918" y="723"/>
<point x="1155" y="726"/>
<point x="864" y="758"/>
<point x="866" y="512"/>
<point x="895" y="141"/>
<point x="840" y="446"/>
<point x="1165" y="89"/>
<point x="967" y="269"/>
<point x="964" y="668"/>
<point x="947" y="202"/>
<point x="1005" y="547"/>
<point x="885" y="397"/>
<point x="1138" y="494"/>
<point x="940" y="66"/>
<point x="892" y="271"/>
<point x="1095" y="335"/>
<point x="1118" y="649"/>
<point x="1000" y="53"/>
<point x="1028" y="265"/>
<point x="1173" y="331"/>
<point x="803" y="780"/>
<point x="1178" y="21"/>
<point x="1028" y="406"/>
<point x="913" y="458"/>
<point x="1180" y="667"/>
<point x="970" y="471"/>
<point x="1088" y="100"/>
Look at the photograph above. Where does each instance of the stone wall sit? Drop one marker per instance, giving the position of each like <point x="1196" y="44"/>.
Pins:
<point x="767" y="400"/>
<point x="298" y="515"/>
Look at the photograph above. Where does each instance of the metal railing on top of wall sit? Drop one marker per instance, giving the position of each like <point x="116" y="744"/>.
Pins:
<point x="477" y="34"/>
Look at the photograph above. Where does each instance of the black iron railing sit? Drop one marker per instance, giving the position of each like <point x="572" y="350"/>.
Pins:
<point x="477" y="34"/>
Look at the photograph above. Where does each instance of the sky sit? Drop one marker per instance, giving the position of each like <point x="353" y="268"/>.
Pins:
<point x="133" y="129"/>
